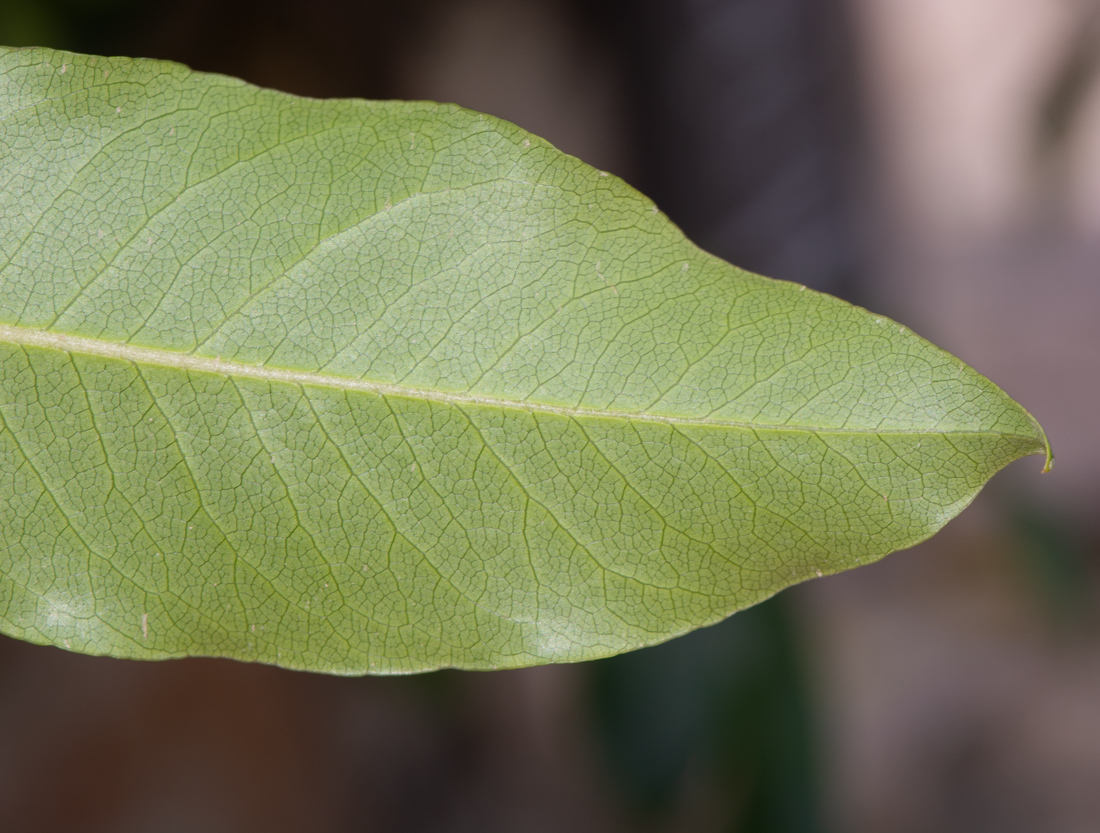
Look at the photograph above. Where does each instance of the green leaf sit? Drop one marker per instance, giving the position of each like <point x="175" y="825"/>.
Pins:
<point x="358" y="386"/>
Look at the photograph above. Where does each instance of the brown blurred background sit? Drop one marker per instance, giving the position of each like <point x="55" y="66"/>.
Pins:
<point x="935" y="160"/>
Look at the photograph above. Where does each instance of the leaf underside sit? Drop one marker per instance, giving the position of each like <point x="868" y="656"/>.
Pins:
<point x="359" y="386"/>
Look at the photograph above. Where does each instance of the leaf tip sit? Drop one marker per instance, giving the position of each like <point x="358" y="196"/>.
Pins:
<point x="1048" y="464"/>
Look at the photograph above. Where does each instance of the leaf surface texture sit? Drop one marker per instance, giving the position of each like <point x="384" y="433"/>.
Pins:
<point x="357" y="386"/>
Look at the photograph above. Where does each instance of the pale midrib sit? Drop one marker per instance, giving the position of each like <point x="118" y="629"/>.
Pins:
<point x="29" y="337"/>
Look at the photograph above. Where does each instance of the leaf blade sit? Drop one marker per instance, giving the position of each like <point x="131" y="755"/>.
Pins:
<point x="418" y="390"/>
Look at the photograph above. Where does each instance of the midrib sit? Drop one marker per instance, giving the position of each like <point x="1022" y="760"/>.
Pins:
<point x="29" y="337"/>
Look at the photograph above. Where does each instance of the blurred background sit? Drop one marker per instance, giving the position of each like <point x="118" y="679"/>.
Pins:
<point x="935" y="160"/>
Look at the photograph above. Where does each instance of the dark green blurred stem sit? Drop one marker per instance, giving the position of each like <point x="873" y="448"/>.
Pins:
<point x="716" y="722"/>
<point x="1056" y="557"/>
